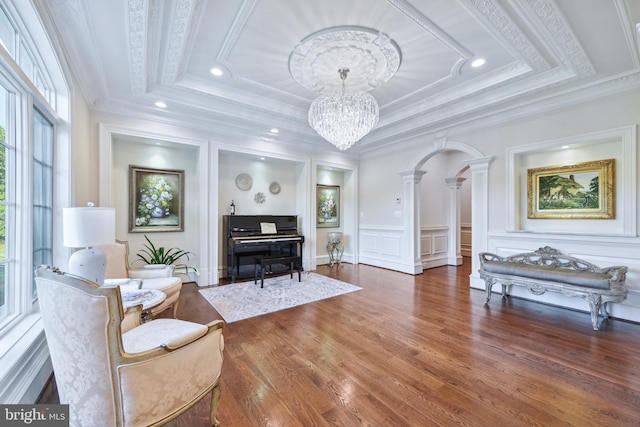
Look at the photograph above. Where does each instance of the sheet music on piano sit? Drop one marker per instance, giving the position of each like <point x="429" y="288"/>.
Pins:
<point x="268" y="228"/>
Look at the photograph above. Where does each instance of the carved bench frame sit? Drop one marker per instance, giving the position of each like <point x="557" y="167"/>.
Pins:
<point x="548" y="257"/>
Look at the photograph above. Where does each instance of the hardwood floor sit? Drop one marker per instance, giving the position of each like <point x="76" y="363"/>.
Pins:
<point x="421" y="351"/>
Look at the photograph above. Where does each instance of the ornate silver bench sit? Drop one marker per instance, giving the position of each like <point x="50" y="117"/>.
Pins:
<point x="547" y="269"/>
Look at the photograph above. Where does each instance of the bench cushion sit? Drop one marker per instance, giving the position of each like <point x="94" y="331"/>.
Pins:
<point x="539" y="272"/>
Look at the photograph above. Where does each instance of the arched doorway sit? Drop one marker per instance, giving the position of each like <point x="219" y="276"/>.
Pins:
<point x="479" y="165"/>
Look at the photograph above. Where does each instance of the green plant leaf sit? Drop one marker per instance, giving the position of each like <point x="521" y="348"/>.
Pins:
<point x="150" y="254"/>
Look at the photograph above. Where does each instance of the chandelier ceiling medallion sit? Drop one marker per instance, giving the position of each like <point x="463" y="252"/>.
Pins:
<point x="368" y="57"/>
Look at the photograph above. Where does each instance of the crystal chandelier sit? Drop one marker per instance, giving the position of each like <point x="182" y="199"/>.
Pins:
<point x="343" y="118"/>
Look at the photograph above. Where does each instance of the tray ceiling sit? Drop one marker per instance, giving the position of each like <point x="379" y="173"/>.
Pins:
<point x="128" y="54"/>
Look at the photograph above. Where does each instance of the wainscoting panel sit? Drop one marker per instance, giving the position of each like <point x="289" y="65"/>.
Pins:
<point x="465" y="239"/>
<point x="434" y="246"/>
<point x="368" y="243"/>
<point x="599" y="250"/>
<point x="382" y="247"/>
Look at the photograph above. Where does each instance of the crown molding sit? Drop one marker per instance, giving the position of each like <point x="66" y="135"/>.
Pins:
<point x="69" y="19"/>
<point x="184" y="24"/>
<point x="507" y="113"/>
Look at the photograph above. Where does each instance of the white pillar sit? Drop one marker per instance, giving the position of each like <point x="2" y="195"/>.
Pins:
<point x="479" y="209"/>
<point x="454" y="256"/>
<point x="411" y="232"/>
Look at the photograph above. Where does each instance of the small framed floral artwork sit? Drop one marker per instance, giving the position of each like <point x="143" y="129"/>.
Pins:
<point x="328" y="203"/>
<point x="156" y="199"/>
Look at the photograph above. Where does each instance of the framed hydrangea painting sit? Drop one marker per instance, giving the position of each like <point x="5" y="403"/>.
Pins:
<point x="328" y="204"/>
<point x="156" y="199"/>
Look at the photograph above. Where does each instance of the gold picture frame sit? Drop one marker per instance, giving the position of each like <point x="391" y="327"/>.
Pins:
<point x="580" y="191"/>
<point x="156" y="199"/>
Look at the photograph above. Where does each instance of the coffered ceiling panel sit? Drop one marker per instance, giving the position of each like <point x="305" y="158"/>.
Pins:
<point x="128" y="54"/>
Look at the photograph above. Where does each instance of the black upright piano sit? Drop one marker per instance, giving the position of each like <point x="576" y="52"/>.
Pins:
<point x="250" y="235"/>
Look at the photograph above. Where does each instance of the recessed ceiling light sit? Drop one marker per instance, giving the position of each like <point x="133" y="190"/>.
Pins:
<point x="274" y="130"/>
<point x="217" y="71"/>
<point x="564" y="147"/>
<point x="161" y="104"/>
<point x="261" y="158"/>
<point x="478" y="62"/>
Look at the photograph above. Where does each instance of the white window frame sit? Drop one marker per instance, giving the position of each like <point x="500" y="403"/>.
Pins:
<point x="24" y="360"/>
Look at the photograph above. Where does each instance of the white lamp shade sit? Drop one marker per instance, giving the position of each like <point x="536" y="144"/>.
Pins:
<point x="88" y="226"/>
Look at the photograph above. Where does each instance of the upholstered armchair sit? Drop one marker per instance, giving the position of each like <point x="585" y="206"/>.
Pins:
<point x="145" y="376"/>
<point x="158" y="277"/>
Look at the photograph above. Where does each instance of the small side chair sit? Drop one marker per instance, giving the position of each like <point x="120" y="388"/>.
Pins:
<point x="159" y="277"/>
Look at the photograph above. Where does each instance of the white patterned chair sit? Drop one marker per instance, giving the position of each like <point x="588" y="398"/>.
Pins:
<point x="159" y="277"/>
<point x="109" y="376"/>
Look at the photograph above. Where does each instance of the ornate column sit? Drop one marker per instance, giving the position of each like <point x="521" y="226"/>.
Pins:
<point x="479" y="208"/>
<point x="454" y="256"/>
<point x="411" y="232"/>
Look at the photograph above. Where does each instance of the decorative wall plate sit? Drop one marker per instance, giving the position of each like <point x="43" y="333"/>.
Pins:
<point x="259" y="198"/>
<point x="244" y="181"/>
<point x="274" y="188"/>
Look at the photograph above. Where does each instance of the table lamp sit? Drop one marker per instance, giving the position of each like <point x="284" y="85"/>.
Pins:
<point x="84" y="227"/>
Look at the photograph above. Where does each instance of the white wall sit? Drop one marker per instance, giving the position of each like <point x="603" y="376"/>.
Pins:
<point x="465" y="199"/>
<point x="263" y="173"/>
<point x="379" y="180"/>
<point x="381" y="217"/>
<point x="126" y="152"/>
<point x="434" y="194"/>
<point x="380" y="186"/>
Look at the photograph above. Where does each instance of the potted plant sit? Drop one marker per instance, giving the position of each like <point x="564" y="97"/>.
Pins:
<point x="160" y="255"/>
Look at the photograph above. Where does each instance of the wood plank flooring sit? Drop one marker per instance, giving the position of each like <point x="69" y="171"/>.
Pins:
<point x="420" y="351"/>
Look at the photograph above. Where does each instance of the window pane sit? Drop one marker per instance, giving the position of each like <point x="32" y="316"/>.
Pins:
<point x="42" y="191"/>
<point x="37" y="184"/>
<point x="3" y="291"/>
<point x="3" y="148"/>
<point x="3" y="168"/>
<point x="26" y="62"/>
<point x="5" y="180"/>
<point x="3" y="233"/>
<point x="42" y="85"/>
<point x="7" y="34"/>
<point x="47" y="186"/>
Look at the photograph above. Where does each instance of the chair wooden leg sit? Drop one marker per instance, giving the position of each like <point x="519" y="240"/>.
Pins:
<point x="175" y="309"/>
<point x="215" y="398"/>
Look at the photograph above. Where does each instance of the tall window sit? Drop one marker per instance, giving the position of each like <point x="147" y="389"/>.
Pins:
<point x="16" y="45"/>
<point x="28" y="125"/>
<point x="4" y="170"/>
<point x="34" y="186"/>
<point x="42" y="191"/>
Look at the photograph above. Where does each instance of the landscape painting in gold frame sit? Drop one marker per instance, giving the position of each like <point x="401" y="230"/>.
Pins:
<point x="581" y="191"/>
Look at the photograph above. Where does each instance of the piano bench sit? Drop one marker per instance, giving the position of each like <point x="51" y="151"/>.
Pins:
<point x="239" y="255"/>
<point x="267" y="261"/>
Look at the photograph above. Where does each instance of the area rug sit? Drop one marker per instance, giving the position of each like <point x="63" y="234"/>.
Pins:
<point x="243" y="300"/>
